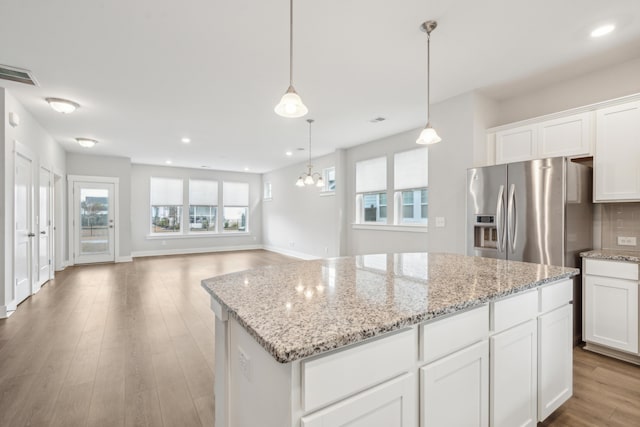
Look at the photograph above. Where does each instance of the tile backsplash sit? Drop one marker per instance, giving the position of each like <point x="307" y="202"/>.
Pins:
<point x="620" y="220"/>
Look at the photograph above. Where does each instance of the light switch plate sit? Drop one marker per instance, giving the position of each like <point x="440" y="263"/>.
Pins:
<point x="439" y="221"/>
<point x="626" y="241"/>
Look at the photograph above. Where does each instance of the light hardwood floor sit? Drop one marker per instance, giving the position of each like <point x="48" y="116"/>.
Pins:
<point x="132" y="345"/>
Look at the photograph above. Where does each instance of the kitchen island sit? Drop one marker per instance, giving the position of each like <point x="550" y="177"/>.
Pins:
<point x="392" y="340"/>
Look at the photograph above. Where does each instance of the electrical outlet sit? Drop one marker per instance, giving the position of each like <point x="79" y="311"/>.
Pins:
<point x="244" y="361"/>
<point x="626" y="241"/>
<point x="440" y="221"/>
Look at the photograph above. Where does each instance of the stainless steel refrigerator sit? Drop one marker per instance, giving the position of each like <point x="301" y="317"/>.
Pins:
<point x="538" y="211"/>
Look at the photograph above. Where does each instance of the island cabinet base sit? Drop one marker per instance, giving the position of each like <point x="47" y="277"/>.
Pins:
<point x="438" y="373"/>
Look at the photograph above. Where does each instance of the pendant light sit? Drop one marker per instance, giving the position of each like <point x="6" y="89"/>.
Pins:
<point x="290" y="104"/>
<point x="308" y="177"/>
<point x="428" y="135"/>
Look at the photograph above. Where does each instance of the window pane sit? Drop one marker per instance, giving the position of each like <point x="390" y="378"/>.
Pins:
<point x="329" y="177"/>
<point x="166" y="219"/>
<point x="414" y="206"/>
<point x="202" y="218"/>
<point x="407" y="197"/>
<point x="374" y="205"/>
<point x="235" y="219"/>
<point x="407" y="211"/>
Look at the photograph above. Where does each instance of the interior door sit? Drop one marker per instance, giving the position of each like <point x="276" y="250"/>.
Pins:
<point x="94" y="226"/>
<point x="23" y="255"/>
<point x="44" y="227"/>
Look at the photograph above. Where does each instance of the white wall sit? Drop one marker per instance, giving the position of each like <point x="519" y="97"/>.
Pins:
<point x="302" y="221"/>
<point x="144" y="245"/>
<point x="109" y="166"/>
<point x="47" y="152"/>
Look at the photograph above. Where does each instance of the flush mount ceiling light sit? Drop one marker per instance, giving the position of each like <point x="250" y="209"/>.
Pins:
<point x="308" y="177"/>
<point x="186" y="140"/>
<point x="86" y="142"/>
<point x="63" y="106"/>
<point x="602" y="30"/>
<point x="290" y="104"/>
<point x="289" y="153"/>
<point x="428" y="135"/>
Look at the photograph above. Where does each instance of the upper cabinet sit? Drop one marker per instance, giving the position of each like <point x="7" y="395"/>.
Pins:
<point x="569" y="136"/>
<point x="617" y="153"/>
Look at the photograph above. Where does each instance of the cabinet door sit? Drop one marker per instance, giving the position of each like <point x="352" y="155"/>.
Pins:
<point x="391" y="404"/>
<point x="515" y="145"/>
<point x="555" y="360"/>
<point x="566" y="136"/>
<point x="455" y="390"/>
<point x="617" y="153"/>
<point x="611" y="312"/>
<point x="513" y="377"/>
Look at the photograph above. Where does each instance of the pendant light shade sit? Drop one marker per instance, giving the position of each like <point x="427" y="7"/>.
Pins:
<point x="291" y="105"/>
<point x="428" y="135"/>
<point x="309" y="177"/>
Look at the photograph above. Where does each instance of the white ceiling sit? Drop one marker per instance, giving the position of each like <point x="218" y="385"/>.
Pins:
<point x="148" y="72"/>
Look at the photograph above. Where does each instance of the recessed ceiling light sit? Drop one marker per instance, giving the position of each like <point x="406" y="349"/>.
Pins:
<point x="246" y="169"/>
<point x="186" y="140"/>
<point x="168" y="162"/>
<point x="377" y="120"/>
<point x="289" y="153"/>
<point x="86" y="142"/>
<point x="205" y="167"/>
<point x="63" y="106"/>
<point x="603" y="30"/>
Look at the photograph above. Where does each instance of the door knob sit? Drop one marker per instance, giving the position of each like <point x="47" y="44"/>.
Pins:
<point x="31" y="235"/>
<point x="43" y="232"/>
<point x="111" y="226"/>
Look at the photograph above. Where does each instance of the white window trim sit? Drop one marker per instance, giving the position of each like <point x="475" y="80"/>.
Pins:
<point x="196" y="236"/>
<point x="413" y="228"/>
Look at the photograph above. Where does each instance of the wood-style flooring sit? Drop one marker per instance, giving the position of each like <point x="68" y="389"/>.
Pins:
<point x="132" y="345"/>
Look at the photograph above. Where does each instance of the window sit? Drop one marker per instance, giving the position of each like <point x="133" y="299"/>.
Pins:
<point x="166" y="205"/>
<point x="267" y="191"/>
<point x="411" y="181"/>
<point x="329" y="178"/>
<point x="203" y="205"/>
<point x="235" y="196"/>
<point x="371" y="186"/>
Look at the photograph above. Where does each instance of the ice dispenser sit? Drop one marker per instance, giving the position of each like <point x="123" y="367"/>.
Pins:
<point x="485" y="232"/>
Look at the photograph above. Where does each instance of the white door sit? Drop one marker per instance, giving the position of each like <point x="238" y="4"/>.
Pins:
<point x="390" y="404"/>
<point x="94" y="226"/>
<point x="455" y="390"/>
<point x="611" y="312"/>
<point x="24" y="227"/>
<point x="555" y="360"/>
<point x="45" y="267"/>
<point x="513" y="373"/>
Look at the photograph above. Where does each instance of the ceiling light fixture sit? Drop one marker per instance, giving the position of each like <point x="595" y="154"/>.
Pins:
<point x="86" y="142"/>
<point x="308" y="177"/>
<point x="63" y="106"/>
<point x="428" y="134"/>
<point x="603" y="30"/>
<point x="290" y="104"/>
<point x="168" y="162"/>
<point x="186" y="140"/>
<point x="289" y="153"/>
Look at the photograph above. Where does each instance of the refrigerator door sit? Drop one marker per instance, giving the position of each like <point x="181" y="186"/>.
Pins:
<point x="535" y="211"/>
<point x="486" y="211"/>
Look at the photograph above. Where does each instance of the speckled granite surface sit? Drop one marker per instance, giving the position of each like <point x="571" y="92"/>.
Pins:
<point x="613" y="255"/>
<point x="304" y="308"/>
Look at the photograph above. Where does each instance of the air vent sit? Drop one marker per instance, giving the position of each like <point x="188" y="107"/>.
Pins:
<point x="17" y="75"/>
<point x="377" y="120"/>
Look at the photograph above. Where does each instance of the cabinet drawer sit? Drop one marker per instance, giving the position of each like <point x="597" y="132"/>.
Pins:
<point x="615" y="269"/>
<point x="513" y="310"/>
<point x="555" y="295"/>
<point x="335" y="376"/>
<point x="445" y="336"/>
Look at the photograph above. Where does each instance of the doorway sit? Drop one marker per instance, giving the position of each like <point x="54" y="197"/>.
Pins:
<point x="24" y="223"/>
<point x="94" y="219"/>
<point x="44" y="221"/>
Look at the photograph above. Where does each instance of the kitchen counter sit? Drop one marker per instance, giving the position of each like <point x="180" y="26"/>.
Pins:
<point x="305" y="308"/>
<point x="613" y="255"/>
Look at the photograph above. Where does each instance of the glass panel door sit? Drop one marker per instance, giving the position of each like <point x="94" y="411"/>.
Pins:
<point x="94" y="225"/>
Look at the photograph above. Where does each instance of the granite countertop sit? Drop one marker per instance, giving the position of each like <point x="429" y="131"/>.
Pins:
<point x="304" y="308"/>
<point x="613" y="255"/>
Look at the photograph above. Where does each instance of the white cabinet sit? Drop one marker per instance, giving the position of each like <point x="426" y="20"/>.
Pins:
<point x="391" y="404"/>
<point x="454" y="391"/>
<point x="617" y="153"/>
<point x="555" y="359"/>
<point x="565" y="136"/>
<point x="513" y="376"/>
<point x="611" y="312"/>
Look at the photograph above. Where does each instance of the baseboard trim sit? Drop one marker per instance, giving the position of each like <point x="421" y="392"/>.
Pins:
<point x="124" y="259"/>
<point x="288" y="252"/>
<point x="606" y="351"/>
<point x="7" y="310"/>
<point x="141" y="254"/>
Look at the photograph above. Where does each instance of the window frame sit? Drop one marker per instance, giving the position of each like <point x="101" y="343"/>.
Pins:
<point x="325" y="177"/>
<point x="235" y="206"/>
<point x="360" y="195"/>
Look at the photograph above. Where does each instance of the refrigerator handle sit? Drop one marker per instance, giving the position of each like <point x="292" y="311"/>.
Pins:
<point x="511" y="218"/>
<point x="500" y="220"/>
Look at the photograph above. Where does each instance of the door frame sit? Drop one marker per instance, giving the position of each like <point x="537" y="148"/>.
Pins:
<point x="50" y="226"/>
<point x="24" y="151"/>
<point x="72" y="180"/>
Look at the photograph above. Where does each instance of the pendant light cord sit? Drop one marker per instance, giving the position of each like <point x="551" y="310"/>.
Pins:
<point x="428" y="77"/>
<point x="290" y="42"/>
<point x="309" y="163"/>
